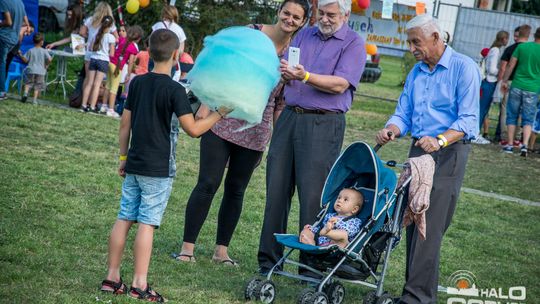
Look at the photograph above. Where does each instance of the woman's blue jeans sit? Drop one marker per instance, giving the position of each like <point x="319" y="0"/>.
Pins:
<point x="488" y="88"/>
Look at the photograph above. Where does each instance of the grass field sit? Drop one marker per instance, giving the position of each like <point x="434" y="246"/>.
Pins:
<point x="59" y="196"/>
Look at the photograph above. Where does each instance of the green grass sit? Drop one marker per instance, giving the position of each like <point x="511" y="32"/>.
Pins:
<point x="60" y="192"/>
<point x="60" y="195"/>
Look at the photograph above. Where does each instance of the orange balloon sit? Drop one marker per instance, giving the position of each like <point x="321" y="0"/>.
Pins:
<point x="371" y="49"/>
<point x="354" y="7"/>
<point x="144" y="3"/>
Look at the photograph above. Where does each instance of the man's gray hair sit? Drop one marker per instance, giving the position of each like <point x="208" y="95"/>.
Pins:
<point x="344" y="5"/>
<point x="426" y="23"/>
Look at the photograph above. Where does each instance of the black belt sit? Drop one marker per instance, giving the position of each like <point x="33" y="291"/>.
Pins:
<point x="299" y="110"/>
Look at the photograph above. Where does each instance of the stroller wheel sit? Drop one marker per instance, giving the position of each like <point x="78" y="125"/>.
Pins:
<point x="319" y="298"/>
<point x="386" y="298"/>
<point x="265" y="291"/>
<point x="251" y="287"/>
<point x="305" y="296"/>
<point x="335" y="292"/>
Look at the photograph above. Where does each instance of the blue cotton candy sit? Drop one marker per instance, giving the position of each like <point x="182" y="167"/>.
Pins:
<point x="237" y="68"/>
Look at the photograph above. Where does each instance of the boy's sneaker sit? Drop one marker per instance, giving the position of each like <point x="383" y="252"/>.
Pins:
<point x="23" y="99"/>
<point x="3" y="96"/>
<point x="95" y="110"/>
<point x="85" y="109"/>
<point x="103" y="109"/>
<point x="112" y="113"/>
<point x="508" y="149"/>
<point x="480" y="140"/>
<point x="524" y="151"/>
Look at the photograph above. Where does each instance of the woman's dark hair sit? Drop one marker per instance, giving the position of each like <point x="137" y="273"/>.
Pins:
<point x="303" y="3"/>
<point x="134" y="33"/>
<point x="74" y="22"/>
<point x="106" y="24"/>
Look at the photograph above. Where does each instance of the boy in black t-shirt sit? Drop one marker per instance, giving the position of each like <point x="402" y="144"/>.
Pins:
<point x="155" y="107"/>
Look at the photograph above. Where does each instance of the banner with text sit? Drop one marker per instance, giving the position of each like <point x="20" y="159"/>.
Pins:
<point x="388" y="34"/>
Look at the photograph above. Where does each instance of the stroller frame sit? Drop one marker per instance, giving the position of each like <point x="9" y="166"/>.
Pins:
<point x="325" y="291"/>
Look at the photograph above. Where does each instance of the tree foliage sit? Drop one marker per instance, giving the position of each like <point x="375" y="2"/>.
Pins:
<point x="199" y="18"/>
<point x="529" y="7"/>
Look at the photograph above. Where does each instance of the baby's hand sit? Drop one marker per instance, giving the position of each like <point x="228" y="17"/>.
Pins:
<point x="331" y="222"/>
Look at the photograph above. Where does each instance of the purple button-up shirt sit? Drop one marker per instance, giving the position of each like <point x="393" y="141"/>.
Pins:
<point x="343" y="54"/>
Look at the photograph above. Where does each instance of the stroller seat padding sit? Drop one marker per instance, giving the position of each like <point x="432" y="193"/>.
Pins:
<point x="292" y="241"/>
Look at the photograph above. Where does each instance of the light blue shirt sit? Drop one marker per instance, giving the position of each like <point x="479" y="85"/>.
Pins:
<point x="446" y="98"/>
<point x="15" y="8"/>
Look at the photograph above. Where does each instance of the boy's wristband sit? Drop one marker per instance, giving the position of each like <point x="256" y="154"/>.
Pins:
<point x="123" y="157"/>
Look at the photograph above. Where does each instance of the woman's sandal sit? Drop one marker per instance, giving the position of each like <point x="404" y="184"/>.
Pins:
<point x="147" y="295"/>
<point x="116" y="288"/>
<point x="178" y="257"/>
<point x="227" y="262"/>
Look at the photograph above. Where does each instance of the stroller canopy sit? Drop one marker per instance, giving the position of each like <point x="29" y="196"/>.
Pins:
<point x="360" y="167"/>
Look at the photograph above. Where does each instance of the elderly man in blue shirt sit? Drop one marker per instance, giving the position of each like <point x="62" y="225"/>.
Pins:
<point x="439" y="106"/>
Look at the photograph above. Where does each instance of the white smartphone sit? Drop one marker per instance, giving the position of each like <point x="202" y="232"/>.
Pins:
<point x="294" y="57"/>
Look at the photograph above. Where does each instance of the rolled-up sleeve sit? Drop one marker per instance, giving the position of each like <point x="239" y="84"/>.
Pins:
<point x="468" y="95"/>
<point x="402" y="117"/>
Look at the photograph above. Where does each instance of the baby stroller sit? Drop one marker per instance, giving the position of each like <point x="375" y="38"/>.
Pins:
<point x="357" y="167"/>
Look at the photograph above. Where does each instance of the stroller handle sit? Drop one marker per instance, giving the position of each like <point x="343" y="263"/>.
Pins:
<point x="378" y="146"/>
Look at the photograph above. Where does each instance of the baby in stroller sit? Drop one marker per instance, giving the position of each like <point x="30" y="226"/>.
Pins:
<point x="339" y="227"/>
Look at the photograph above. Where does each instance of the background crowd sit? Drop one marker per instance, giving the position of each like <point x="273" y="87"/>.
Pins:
<point x="511" y="78"/>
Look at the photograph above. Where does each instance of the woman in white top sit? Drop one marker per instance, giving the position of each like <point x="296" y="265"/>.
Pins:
<point x="91" y="27"/>
<point x="169" y="19"/>
<point x="489" y="83"/>
<point x="102" y="49"/>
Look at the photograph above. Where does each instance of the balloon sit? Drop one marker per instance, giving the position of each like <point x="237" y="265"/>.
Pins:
<point x="363" y="4"/>
<point x="371" y="49"/>
<point x="132" y="6"/>
<point x="237" y="68"/>
<point x="355" y="8"/>
<point x="144" y="3"/>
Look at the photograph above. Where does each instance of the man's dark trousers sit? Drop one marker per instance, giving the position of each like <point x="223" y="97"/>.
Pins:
<point x="302" y="152"/>
<point x="422" y="265"/>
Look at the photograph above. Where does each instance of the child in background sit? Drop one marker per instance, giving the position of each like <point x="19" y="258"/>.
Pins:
<point x="155" y="106"/>
<point x="125" y="53"/>
<point x="339" y="227"/>
<point x="102" y="50"/>
<point x="38" y="60"/>
<point x="142" y="60"/>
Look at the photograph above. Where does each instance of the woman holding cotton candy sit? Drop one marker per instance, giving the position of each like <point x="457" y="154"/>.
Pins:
<point x="241" y="149"/>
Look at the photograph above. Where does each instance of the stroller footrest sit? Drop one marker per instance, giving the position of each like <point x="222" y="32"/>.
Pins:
<point x="292" y="241"/>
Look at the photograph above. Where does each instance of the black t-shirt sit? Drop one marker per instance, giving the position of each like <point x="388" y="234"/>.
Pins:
<point x="507" y="55"/>
<point x="155" y="101"/>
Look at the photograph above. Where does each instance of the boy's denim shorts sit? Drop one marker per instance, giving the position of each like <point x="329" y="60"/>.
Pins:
<point x="144" y="199"/>
<point x="536" y="125"/>
<point x="524" y="100"/>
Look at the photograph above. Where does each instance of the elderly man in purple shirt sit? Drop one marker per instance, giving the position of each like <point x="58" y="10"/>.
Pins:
<point x="309" y="133"/>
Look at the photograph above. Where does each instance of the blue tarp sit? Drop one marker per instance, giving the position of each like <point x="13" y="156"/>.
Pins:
<point x="32" y="11"/>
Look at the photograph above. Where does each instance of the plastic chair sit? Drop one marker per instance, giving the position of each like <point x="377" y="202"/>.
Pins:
<point x="14" y="73"/>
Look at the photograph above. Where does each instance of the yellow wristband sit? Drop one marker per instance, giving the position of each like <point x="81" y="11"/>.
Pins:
<point x="123" y="157"/>
<point x="445" y="141"/>
<point x="305" y="80"/>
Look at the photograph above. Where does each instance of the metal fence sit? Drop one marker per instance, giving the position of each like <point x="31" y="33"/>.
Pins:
<point x="476" y="29"/>
<point x="473" y="29"/>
